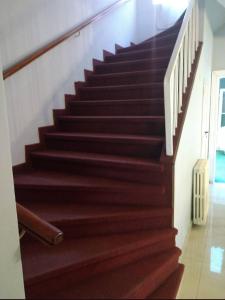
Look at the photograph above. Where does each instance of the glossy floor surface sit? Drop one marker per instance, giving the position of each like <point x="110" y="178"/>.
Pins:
<point x="204" y="253"/>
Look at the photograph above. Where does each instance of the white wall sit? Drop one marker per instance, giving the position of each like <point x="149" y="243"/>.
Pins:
<point x="157" y="15"/>
<point x="190" y="148"/>
<point x="219" y="50"/>
<point x="37" y="89"/>
<point x="11" y="277"/>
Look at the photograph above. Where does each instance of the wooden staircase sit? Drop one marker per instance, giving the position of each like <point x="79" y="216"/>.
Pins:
<point x="97" y="174"/>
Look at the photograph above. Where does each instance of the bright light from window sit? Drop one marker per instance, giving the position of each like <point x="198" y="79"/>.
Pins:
<point x="159" y="1"/>
<point x="216" y="259"/>
<point x="172" y="3"/>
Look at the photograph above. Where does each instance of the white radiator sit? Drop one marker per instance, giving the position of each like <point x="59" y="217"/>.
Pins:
<point x="200" y="192"/>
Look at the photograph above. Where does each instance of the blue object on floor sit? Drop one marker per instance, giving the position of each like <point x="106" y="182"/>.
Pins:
<point x="220" y="166"/>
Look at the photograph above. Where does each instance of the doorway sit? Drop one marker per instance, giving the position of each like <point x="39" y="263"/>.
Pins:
<point x="220" y="147"/>
<point x="217" y="128"/>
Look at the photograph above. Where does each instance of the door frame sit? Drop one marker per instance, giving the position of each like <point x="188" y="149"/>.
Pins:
<point x="214" y="116"/>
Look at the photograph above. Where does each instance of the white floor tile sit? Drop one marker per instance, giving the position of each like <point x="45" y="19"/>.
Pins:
<point x="204" y="254"/>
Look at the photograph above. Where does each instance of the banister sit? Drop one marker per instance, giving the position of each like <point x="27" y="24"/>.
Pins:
<point x="179" y="70"/>
<point x="37" y="227"/>
<point x="33" y="56"/>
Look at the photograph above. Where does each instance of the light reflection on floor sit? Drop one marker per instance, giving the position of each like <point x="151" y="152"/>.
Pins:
<point x="204" y="254"/>
<point x="216" y="259"/>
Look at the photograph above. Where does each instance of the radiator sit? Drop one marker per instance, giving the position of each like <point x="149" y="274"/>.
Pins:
<point x="200" y="192"/>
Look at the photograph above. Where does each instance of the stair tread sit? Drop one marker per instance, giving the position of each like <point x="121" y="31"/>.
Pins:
<point x="94" y="118"/>
<point x="149" y="42"/>
<point x="96" y="158"/>
<point x="101" y="136"/>
<point x="59" y="180"/>
<point x="123" y="282"/>
<point x="156" y="38"/>
<point x="143" y="50"/>
<point x="41" y="261"/>
<point x="90" y="214"/>
<point x="123" y="86"/>
<point x="127" y="73"/>
<point x="115" y="102"/>
<point x="170" y="288"/>
<point x="147" y="60"/>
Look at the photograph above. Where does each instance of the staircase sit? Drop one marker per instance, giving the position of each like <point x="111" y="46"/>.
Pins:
<point x="97" y="174"/>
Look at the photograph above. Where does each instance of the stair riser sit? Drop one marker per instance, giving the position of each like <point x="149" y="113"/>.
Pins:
<point x="106" y="68"/>
<point x="170" y="287"/>
<point x="130" y="78"/>
<point x="167" y="32"/>
<point x="164" y="42"/>
<point x="111" y="197"/>
<point x="155" y="128"/>
<point x="111" y="227"/>
<point x="155" y="108"/>
<point x="107" y="147"/>
<point x="121" y="94"/>
<point x="104" y="170"/>
<point x="50" y="287"/>
<point x="151" y="284"/>
<point x="148" y="54"/>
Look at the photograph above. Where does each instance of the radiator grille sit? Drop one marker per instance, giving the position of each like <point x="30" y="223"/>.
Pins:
<point x="200" y="192"/>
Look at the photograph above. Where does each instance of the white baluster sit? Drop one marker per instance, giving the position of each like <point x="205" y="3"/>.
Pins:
<point x="193" y="31"/>
<point x="189" y="48"/>
<point x="181" y="76"/>
<point x="185" y="60"/>
<point x="168" y="95"/>
<point x="175" y="99"/>
<point x="197" y="24"/>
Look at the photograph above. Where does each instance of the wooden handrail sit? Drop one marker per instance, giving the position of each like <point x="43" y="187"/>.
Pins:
<point x="37" y="227"/>
<point x="30" y="58"/>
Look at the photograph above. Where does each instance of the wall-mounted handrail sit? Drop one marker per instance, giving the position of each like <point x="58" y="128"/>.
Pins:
<point x="37" y="227"/>
<point x="33" y="56"/>
<point x="179" y="70"/>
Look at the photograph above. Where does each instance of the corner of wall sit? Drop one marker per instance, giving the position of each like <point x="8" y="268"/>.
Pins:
<point x="11" y="282"/>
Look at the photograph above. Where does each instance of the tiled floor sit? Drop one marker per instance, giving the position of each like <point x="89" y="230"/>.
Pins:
<point x="204" y="254"/>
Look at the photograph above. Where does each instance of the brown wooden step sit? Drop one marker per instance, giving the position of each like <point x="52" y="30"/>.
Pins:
<point x="131" y="66"/>
<point x="93" y="164"/>
<point x="124" y="145"/>
<point x="169" y="289"/>
<point x="139" y="91"/>
<point x="146" y="76"/>
<point x="167" y="40"/>
<point x="135" y="125"/>
<point x="48" y="271"/>
<point x="140" y="107"/>
<point x="140" y="54"/>
<point x="52" y="187"/>
<point x="134" y="281"/>
<point x="77" y="220"/>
